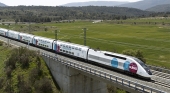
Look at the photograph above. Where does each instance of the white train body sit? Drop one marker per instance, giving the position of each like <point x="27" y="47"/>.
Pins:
<point x="119" y="61"/>
<point x="13" y="34"/>
<point x="27" y="38"/>
<point x="3" y="32"/>
<point x="71" y="49"/>
<point x="43" y="42"/>
<point x="109" y="59"/>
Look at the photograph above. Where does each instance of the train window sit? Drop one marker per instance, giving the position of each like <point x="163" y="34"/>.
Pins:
<point x="72" y="47"/>
<point x="60" y="49"/>
<point x="115" y="56"/>
<point x="76" y="48"/>
<point x="69" y="52"/>
<point x="63" y="50"/>
<point x="72" y="53"/>
<point x="140" y="62"/>
<point x="79" y="49"/>
<point x="66" y="51"/>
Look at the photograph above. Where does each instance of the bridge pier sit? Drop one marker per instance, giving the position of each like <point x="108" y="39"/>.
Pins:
<point x="71" y="80"/>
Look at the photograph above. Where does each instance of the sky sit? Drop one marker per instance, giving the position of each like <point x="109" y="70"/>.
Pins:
<point x="48" y="2"/>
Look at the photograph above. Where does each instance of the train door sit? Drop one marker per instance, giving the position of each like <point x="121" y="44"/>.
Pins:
<point x="58" y="48"/>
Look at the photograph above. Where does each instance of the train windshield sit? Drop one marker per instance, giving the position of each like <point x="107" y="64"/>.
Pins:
<point x="143" y="65"/>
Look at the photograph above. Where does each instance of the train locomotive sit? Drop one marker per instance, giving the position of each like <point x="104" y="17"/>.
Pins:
<point x="109" y="59"/>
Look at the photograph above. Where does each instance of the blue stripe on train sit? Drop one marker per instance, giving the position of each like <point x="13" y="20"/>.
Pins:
<point x="114" y="62"/>
<point x="55" y="47"/>
<point x="126" y="65"/>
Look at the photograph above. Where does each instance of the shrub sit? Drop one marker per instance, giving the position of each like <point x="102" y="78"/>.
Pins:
<point x="1" y="43"/>
<point x="8" y="72"/>
<point x="135" y="53"/>
<point x="24" y="87"/>
<point x="1" y="82"/>
<point x="24" y="60"/>
<point x="43" y="86"/>
<point x="8" y="88"/>
<point x="33" y="75"/>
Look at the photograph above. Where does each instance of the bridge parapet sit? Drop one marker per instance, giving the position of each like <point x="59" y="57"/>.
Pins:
<point x="119" y="82"/>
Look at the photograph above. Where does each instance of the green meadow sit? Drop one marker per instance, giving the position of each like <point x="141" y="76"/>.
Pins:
<point x="151" y="36"/>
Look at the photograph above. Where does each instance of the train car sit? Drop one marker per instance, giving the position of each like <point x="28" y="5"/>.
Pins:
<point x="26" y="38"/>
<point x="3" y="32"/>
<point x="13" y="34"/>
<point x="71" y="49"/>
<point x="120" y="62"/>
<point x="43" y="42"/>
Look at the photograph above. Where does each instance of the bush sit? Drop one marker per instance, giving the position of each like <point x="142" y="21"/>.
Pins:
<point x="24" y="60"/>
<point x="8" y="72"/>
<point x="24" y="87"/>
<point x="38" y="61"/>
<point x="1" y="82"/>
<point x="43" y="86"/>
<point x="8" y="88"/>
<point x="135" y="53"/>
<point x="1" y="43"/>
<point x="11" y="62"/>
<point x="34" y="75"/>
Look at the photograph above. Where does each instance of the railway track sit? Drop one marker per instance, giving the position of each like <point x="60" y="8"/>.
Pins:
<point x="161" y="74"/>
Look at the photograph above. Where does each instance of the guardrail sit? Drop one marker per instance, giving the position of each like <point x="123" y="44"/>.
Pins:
<point x="159" y="69"/>
<point x="110" y="77"/>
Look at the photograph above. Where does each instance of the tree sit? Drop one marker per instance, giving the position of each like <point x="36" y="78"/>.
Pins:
<point x="135" y="53"/>
<point x="16" y="21"/>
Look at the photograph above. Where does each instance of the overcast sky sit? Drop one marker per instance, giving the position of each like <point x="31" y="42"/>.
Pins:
<point x="49" y="2"/>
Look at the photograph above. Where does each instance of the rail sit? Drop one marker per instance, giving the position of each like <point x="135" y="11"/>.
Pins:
<point x="104" y="75"/>
<point x="159" y="69"/>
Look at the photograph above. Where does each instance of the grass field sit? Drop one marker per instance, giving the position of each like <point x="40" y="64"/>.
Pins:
<point x="151" y="36"/>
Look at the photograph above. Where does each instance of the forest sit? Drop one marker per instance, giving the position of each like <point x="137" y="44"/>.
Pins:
<point x="48" y="13"/>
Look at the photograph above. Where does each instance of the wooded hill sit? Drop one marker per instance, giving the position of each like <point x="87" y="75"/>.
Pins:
<point x="145" y="4"/>
<point x="47" y="14"/>
<point x="160" y="8"/>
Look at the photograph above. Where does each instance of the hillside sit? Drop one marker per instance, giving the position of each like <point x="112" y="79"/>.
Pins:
<point x="58" y="13"/>
<point x="1" y="4"/>
<point x="24" y="71"/>
<point x="145" y="4"/>
<point x="95" y="3"/>
<point x="160" y="8"/>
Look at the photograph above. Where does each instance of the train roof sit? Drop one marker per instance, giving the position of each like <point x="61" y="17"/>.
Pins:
<point x="26" y="34"/>
<point x="40" y="37"/>
<point x="13" y="31"/>
<point x="120" y="55"/>
<point x="3" y="29"/>
<point x="73" y="44"/>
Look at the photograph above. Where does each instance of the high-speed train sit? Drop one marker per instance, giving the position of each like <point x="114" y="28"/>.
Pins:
<point x="108" y="59"/>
